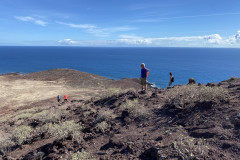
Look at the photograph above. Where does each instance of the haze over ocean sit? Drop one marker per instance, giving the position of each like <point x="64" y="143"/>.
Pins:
<point x="203" y="64"/>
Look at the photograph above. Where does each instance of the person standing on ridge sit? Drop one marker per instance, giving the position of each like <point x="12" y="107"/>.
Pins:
<point x="65" y="98"/>
<point x="171" y="79"/>
<point x="144" y="75"/>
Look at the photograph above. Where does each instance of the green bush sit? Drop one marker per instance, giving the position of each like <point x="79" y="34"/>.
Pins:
<point x="190" y="148"/>
<point x="129" y="105"/>
<point x="83" y="155"/>
<point x="21" y="134"/>
<point x="22" y="116"/>
<point x="5" y="144"/>
<point x="63" y="130"/>
<point x="101" y="127"/>
<point x="134" y="108"/>
<point x="188" y="96"/>
<point x="105" y="115"/>
<point x="47" y="116"/>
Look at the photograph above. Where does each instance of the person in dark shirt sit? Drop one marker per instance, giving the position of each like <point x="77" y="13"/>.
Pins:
<point x="144" y="75"/>
<point x="171" y="79"/>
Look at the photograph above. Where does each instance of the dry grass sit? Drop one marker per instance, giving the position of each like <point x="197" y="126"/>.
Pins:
<point x="20" y="92"/>
<point x="134" y="108"/>
<point x="188" y="96"/>
<point x="83" y="155"/>
<point x="129" y="105"/>
<point x="63" y="130"/>
<point x="51" y="115"/>
<point x="21" y="134"/>
<point x="112" y="92"/>
<point x="22" y="116"/>
<point x="190" y="148"/>
<point x="106" y="115"/>
<point x="5" y="142"/>
<point x="101" y="127"/>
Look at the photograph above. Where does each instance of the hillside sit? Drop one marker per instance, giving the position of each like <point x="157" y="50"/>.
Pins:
<point x="183" y="122"/>
<point x="78" y="79"/>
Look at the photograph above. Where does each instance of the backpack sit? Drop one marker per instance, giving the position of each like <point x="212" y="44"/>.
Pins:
<point x="172" y="79"/>
<point x="147" y="74"/>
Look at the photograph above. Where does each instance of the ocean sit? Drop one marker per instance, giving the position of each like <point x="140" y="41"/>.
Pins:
<point x="203" y="64"/>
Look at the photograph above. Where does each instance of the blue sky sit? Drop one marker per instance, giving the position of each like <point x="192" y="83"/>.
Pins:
<point x="153" y="23"/>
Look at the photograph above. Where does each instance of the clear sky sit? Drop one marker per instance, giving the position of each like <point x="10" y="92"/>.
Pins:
<point x="161" y="23"/>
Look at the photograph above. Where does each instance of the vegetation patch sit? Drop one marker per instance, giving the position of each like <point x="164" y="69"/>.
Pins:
<point x="190" y="148"/>
<point x="188" y="96"/>
<point x="101" y="127"/>
<point x="22" y="116"/>
<point x="133" y="107"/>
<point x="106" y="115"/>
<point x="5" y="146"/>
<point x="113" y="92"/>
<point x="63" y="130"/>
<point x="47" y="116"/>
<point x="83" y="155"/>
<point x="21" y="134"/>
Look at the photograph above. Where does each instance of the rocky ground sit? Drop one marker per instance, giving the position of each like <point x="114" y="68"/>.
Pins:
<point x="127" y="124"/>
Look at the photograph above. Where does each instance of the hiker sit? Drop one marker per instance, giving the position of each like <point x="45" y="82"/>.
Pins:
<point x="65" y="98"/>
<point x="171" y="79"/>
<point x="58" y="98"/>
<point x="144" y="75"/>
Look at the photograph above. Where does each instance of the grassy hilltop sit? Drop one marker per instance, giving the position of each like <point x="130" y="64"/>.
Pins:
<point x="108" y="119"/>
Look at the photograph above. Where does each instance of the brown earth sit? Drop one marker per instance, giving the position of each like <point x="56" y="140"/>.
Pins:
<point x="41" y="88"/>
<point x="148" y="136"/>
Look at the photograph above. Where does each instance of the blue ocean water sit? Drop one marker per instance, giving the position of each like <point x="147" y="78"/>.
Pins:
<point x="203" y="64"/>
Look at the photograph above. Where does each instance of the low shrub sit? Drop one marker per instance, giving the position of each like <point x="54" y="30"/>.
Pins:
<point x="47" y="116"/>
<point x="133" y="108"/>
<point x="22" y="116"/>
<point x="114" y="91"/>
<point x="190" y="148"/>
<point x="63" y="130"/>
<point x="129" y="105"/>
<point x="83" y="155"/>
<point x="105" y="115"/>
<point x="5" y="146"/>
<point x="86" y="113"/>
<point x="101" y="127"/>
<point x="188" y="96"/>
<point x="21" y="134"/>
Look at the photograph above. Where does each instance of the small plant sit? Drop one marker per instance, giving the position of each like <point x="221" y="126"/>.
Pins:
<point x="114" y="91"/>
<point x="47" y="116"/>
<point x="22" y="116"/>
<point x="5" y="145"/>
<point x="133" y="108"/>
<point x="140" y="112"/>
<point x="63" y="130"/>
<point x="129" y="105"/>
<point x="77" y="136"/>
<point x="101" y="127"/>
<point x="188" y="96"/>
<point x="86" y="113"/>
<point x="83" y="155"/>
<point x="105" y="116"/>
<point x="190" y="148"/>
<point x="21" y="134"/>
